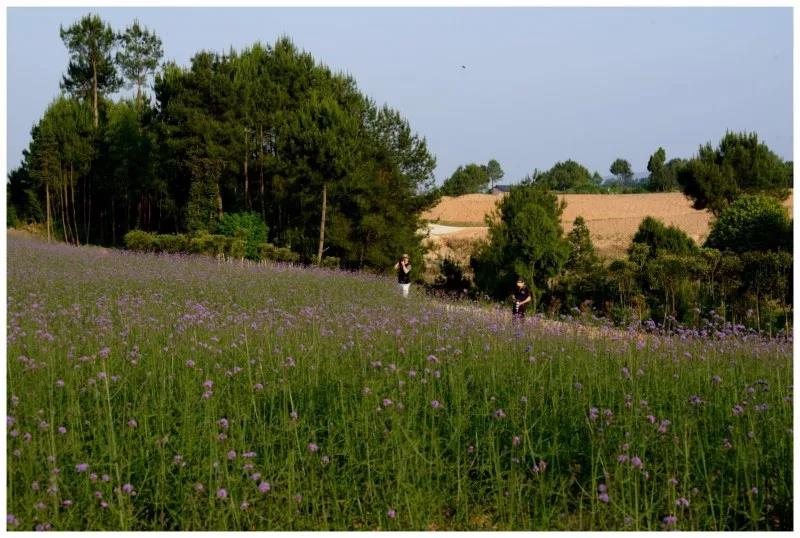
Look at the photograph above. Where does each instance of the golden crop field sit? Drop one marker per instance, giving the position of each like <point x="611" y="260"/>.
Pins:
<point x="612" y="218"/>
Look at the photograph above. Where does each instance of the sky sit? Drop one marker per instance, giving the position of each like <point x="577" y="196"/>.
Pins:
<point x="539" y="85"/>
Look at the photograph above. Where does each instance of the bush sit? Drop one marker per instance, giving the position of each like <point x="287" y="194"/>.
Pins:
<point x="173" y="244"/>
<point x="249" y="227"/>
<point x="141" y="241"/>
<point x="753" y="222"/>
<point x="237" y="248"/>
<point x="268" y="251"/>
<point x="662" y="239"/>
<point x="330" y="262"/>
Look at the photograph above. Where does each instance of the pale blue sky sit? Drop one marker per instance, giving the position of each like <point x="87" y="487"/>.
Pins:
<point x="541" y="85"/>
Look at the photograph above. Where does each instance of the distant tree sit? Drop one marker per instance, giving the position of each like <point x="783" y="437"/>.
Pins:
<point x="662" y="177"/>
<point x="91" y="72"/>
<point x="622" y="169"/>
<point x="566" y="176"/>
<point x="467" y="179"/>
<point x="495" y="172"/>
<point x="739" y="165"/>
<point x="204" y="210"/>
<point x="661" y="239"/>
<point x="526" y="239"/>
<point x="752" y="222"/>
<point x="141" y="52"/>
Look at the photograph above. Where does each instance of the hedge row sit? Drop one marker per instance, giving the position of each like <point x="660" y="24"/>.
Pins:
<point x="212" y="245"/>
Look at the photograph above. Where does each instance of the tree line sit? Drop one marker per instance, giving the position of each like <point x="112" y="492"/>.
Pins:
<point x="265" y="131"/>
<point x="741" y="275"/>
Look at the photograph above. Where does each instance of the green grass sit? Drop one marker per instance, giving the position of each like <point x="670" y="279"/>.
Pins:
<point x="105" y="338"/>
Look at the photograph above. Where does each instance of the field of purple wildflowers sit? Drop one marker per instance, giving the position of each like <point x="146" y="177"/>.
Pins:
<point x="166" y="392"/>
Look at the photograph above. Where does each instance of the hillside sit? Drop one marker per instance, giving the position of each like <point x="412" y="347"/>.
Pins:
<point x="612" y="219"/>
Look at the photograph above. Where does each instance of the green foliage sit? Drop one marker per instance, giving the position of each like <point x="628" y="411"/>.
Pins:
<point x="278" y="254"/>
<point x="567" y="176"/>
<point x="467" y="179"/>
<point x="527" y="240"/>
<point x="663" y="175"/>
<point x="139" y="57"/>
<point x="203" y="210"/>
<point x="739" y="165"/>
<point x="451" y="277"/>
<point x="248" y="227"/>
<point x="330" y="262"/>
<point x="141" y="241"/>
<point x="752" y="222"/>
<point x="91" y="72"/>
<point x="622" y="169"/>
<point x="661" y="239"/>
<point x="494" y="171"/>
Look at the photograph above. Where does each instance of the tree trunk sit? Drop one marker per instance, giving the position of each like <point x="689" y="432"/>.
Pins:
<point x="47" y="196"/>
<point x="246" y="178"/>
<point x="61" y="207"/>
<point x="113" y="223"/>
<point x="74" y="215"/>
<point x="322" y="223"/>
<point x="261" y="171"/>
<point x="94" y="91"/>
<point x="219" y="205"/>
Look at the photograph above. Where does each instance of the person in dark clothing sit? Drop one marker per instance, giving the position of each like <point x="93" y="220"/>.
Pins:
<point x="404" y="274"/>
<point x="522" y="297"/>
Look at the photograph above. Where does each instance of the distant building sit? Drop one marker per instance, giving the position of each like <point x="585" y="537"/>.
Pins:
<point x="501" y="189"/>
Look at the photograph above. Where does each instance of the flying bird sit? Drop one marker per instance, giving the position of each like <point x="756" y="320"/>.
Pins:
<point x="463" y="67"/>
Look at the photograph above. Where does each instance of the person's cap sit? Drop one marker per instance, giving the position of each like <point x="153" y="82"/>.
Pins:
<point x="405" y="256"/>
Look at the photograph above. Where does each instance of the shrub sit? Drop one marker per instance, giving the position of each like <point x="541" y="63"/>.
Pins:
<point x="249" y="227"/>
<point x="141" y="241"/>
<point x="662" y="239"/>
<point x="753" y="222"/>
<point x="330" y="262"/>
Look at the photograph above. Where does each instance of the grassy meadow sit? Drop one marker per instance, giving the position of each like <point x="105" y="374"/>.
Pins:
<point x="166" y="392"/>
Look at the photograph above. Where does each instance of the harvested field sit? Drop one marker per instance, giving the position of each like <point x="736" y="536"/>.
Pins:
<point x="612" y="218"/>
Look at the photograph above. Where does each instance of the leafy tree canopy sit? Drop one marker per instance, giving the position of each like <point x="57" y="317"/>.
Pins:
<point x="752" y="222"/>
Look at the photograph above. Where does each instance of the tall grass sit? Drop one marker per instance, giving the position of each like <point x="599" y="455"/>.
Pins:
<point x="165" y="392"/>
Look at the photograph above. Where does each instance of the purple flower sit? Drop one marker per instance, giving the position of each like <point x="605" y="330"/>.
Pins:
<point x="59" y="383"/>
<point x="255" y="477"/>
<point x="435" y="404"/>
<point x="432" y="359"/>
<point x="208" y="394"/>
<point x="82" y="467"/>
<point x="11" y="520"/>
<point x="670" y="520"/>
<point x="298" y="498"/>
<point x="190" y="363"/>
<point x="245" y="505"/>
<point x="132" y="423"/>
<point x="603" y="497"/>
<point x="673" y="481"/>
<point x="626" y="374"/>
<point x="264" y="487"/>
<point x="636" y="462"/>
<point x="662" y="428"/>
<point x="387" y="402"/>
<point x="312" y="447"/>
<point x="499" y="414"/>
<point x="105" y="478"/>
<point x="716" y="380"/>
<point x="258" y="386"/>
<point x="650" y="418"/>
<point x="516" y="440"/>
<point x="622" y="458"/>
<point x="325" y="460"/>
<point x="208" y="384"/>
<point x="127" y="488"/>
<point x="66" y="503"/>
<point x="602" y="488"/>
<point x="223" y="423"/>
<point x="391" y="514"/>
<point x="231" y="454"/>
<point x="738" y="410"/>
<point x="594" y="413"/>
<point x="199" y="488"/>
<point x="754" y="490"/>
<point x="62" y="430"/>
<point x="221" y="493"/>
<point x="683" y="501"/>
